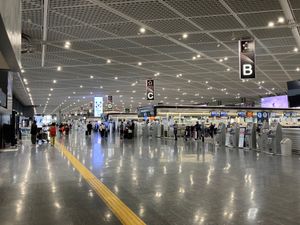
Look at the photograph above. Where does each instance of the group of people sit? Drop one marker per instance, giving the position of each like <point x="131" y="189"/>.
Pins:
<point x="98" y="127"/>
<point x="64" y="129"/>
<point x="196" y="132"/>
<point x="35" y="131"/>
<point x="126" y="129"/>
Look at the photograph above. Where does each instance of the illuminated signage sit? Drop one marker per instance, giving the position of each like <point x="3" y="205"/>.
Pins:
<point x="98" y="106"/>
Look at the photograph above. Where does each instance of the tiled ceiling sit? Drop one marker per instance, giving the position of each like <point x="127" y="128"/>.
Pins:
<point x="99" y="30"/>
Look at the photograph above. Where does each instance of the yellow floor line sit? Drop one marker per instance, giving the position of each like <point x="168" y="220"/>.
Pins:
<point x="121" y="211"/>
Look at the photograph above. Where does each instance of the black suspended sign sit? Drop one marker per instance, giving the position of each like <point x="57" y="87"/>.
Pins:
<point x="150" y="89"/>
<point x="247" y="59"/>
<point x="109" y="101"/>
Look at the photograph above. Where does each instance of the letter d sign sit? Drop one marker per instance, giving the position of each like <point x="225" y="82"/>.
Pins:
<point x="247" y="59"/>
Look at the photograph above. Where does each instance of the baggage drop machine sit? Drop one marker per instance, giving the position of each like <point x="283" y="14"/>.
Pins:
<point x="263" y="136"/>
<point x="221" y="134"/>
<point x="250" y="136"/>
<point x="234" y="132"/>
<point x="274" y="138"/>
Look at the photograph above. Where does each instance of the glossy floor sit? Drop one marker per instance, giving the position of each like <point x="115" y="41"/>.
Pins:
<point x="162" y="181"/>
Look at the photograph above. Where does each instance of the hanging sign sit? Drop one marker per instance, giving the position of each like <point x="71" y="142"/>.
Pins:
<point x="109" y="101"/>
<point x="247" y="59"/>
<point x="150" y="89"/>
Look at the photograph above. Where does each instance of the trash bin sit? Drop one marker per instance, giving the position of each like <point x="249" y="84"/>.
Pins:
<point x="286" y="146"/>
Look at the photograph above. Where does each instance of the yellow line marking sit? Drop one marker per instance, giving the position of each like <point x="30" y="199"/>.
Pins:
<point x="124" y="214"/>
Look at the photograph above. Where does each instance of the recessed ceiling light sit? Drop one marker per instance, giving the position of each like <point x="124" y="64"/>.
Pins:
<point x="185" y="36"/>
<point x="81" y="86"/>
<point x="91" y="93"/>
<point x="295" y="49"/>
<point x="133" y="91"/>
<point x="49" y="94"/>
<point x="92" y="77"/>
<point x="108" y="61"/>
<point x="142" y="30"/>
<point x="74" y="92"/>
<point x="297" y="69"/>
<point x="69" y="96"/>
<point x="273" y="89"/>
<point x="206" y="82"/>
<point x="281" y="19"/>
<point x="218" y="45"/>
<point x="271" y="24"/>
<point x="117" y="91"/>
<point x="25" y="80"/>
<point x="225" y="58"/>
<point x="228" y="69"/>
<point x="101" y="87"/>
<point x="140" y="63"/>
<point x="198" y="56"/>
<point x="54" y="81"/>
<point x="194" y="57"/>
<point x="220" y="60"/>
<point x="178" y="89"/>
<point x="28" y="89"/>
<point x="189" y="81"/>
<point x="59" y="68"/>
<point x="51" y="89"/>
<point x="22" y="71"/>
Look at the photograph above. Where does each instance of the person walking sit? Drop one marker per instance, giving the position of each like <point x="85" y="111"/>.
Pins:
<point x="89" y="127"/>
<point x="198" y="130"/>
<point x="122" y="130"/>
<point x="33" y="132"/>
<point x="175" y="128"/>
<point x="52" y="131"/>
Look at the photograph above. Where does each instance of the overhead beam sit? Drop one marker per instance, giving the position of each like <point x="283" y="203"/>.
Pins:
<point x="45" y="28"/>
<point x="289" y="15"/>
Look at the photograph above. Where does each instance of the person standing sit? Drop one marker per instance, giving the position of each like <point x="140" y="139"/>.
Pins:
<point x="33" y="132"/>
<point x="89" y="127"/>
<point x="52" y="131"/>
<point x="211" y="130"/>
<point x="175" y="128"/>
<point x="198" y="130"/>
<point x="122" y="130"/>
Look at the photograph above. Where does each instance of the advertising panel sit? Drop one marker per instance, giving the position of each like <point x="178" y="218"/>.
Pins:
<point x="98" y="106"/>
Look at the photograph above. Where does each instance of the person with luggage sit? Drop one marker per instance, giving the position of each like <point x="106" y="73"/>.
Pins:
<point x="52" y="131"/>
<point x="102" y="130"/>
<point x="33" y="132"/>
<point x="89" y="127"/>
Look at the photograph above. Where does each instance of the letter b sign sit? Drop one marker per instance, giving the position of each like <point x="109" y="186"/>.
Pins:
<point x="247" y="70"/>
<point x="247" y="59"/>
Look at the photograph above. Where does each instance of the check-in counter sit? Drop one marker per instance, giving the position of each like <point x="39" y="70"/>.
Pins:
<point x="294" y="135"/>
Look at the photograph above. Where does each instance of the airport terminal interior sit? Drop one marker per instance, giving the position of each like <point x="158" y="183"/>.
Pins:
<point x="157" y="112"/>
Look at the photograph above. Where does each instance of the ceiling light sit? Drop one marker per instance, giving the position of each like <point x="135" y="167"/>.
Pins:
<point x="116" y="78"/>
<point x="295" y="49"/>
<point x="273" y="89"/>
<point x="74" y="92"/>
<point x="117" y="91"/>
<point x="51" y="89"/>
<point x="219" y="45"/>
<point x="185" y="36"/>
<point x="54" y="81"/>
<point x="280" y="19"/>
<point x="297" y="69"/>
<point x="194" y="57"/>
<point x="108" y="61"/>
<point x="142" y="30"/>
<point x="228" y="69"/>
<point x="140" y="63"/>
<point x="189" y="81"/>
<point x="220" y="60"/>
<point x="101" y="87"/>
<point x="22" y="71"/>
<point x="133" y="91"/>
<point x="198" y="56"/>
<point x="206" y="82"/>
<point x="225" y="58"/>
<point x="81" y="86"/>
<point x="271" y="24"/>
<point x="49" y="94"/>
<point x="68" y="43"/>
<point x="91" y="93"/>
<point x="92" y="77"/>
<point x="263" y="82"/>
<point x="69" y="96"/>
<point x="25" y="80"/>
<point x="28" y="89"/>
<point x="59" y="68"/>
<point x="178" y="89"/>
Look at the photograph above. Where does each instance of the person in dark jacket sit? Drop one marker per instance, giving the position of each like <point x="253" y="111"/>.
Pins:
<point x="89" y="128"/>
<point x="33" y="132"/>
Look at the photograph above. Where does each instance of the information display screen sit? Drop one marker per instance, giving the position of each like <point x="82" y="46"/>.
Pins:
<point x="275" y="102"/>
